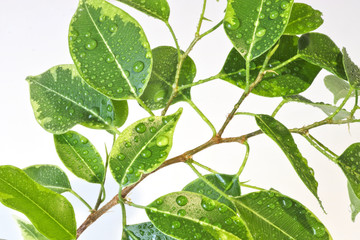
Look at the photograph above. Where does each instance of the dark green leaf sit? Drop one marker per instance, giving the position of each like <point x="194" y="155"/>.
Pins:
<point x="185" y="215"/>
<point x="320" y="50"/>
<point x="144" y="231"/>
<point x="160" y="86"/>
<point x="142" y="147"/>
<point x="110" y="49"/>
<point x="352" y="71"/>
<point x="303" y="19"/>
<point x="337" y="86"/>
<point x="50" y="212"/>
<point x="49" y="176"/>
<point x="271" y="215"/>
<point x="255" y="26"/>
<point x="80" y="156"/>
<point x="354" y="202"/>
<point x="28" y="231"/>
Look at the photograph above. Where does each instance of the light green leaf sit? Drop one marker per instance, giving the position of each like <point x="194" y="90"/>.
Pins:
<point x="142" y="147"/>
<point x="61" y="99"/>
<point x="158" y="9"/>
<point x="291" y="79"/>
<point x="354" y="202"/>
<point x="320" y="50"/>
<point x="255" y="26"/>
<point x="283" y="138"/>
<point x="271" y="215"/>
<point x="337" y="86"/>
<point x="110" y="49"/>
<point x="48" y="211"/>
<point x="49" y="176"/>
<point x="144" y="231"/>
<point x="28" y="231"/>
<point x="160" y="86"/>
<point x="185" y="215"/>
<point x="303" y="19"/>
<point x="80" y="156"/>
<point x="352" y="71"/>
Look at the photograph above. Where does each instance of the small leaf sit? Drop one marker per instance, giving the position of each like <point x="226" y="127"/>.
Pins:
<point x="110" y="49"/>
<point x="303" y="19"/>
<point x="250" y="24"/>
<point x="320" y="50"/>
<point x="352" y="71"/>
<point x="144" y="231"/>
<point x="142" y="147"/>
<point x="185" y="214"/>
<point x="28" y="231"/>
<point x="49" y="176"/>
<point x="283" y="138"/>
<point x="271" y="215"/>
<point x="160" y="86"/>
<point x="80" y="156"/>
<point x="337" y="86"/>
<point x="158" y="9"/>
<point x="354" y="202"/>
<point x="50" y="212"/>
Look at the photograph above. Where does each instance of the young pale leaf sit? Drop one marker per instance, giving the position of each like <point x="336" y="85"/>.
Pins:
<point x="49" y="212"/>
<point x="320" y="50"/>
<point x="142" y="147"/>
<point x="221" y="182"/>
<point x="185" y="215"/>
<point x="354" y="202"/>
<point x="352" y="71"/>
<point x="291" y="79"/>
<point x="49" y="176"/>
<point x="250" y="25"/>
<point x="303" y="19"/>
<point x="80" y="156"/>
<point x="158" y="9"/>
<point x="110" y="49"/>
<point x="271" y="215"/>
<point x="283" y="138"/>
<point x="337" y="86"/>
<point x="28" y="231"/>
<point x="61" y="99"/>
<point x="160" y="86"/>
<point x="144" y="231"/>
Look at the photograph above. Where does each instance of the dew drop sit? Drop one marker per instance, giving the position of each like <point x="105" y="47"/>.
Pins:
<point x="262" y="16"/>
<point x="152" y="129"/>
<point x="125" y="180"/>
<point x="274" y="15"/>
<point x="238" y="36"/>
<point x="208" y="204"/>
<point x="162" y="141"/>
<point x="113" y="28"/>
<point x="159" y="201"/>
<point x="138" y="66"/>
<point x="319" y="231"/>
<point x="140" y="128"/>
<point x="146" y="153"/>
<point x="83" y="140"/>
<point x="91" y="44"/>
<point x="284" y="5"/>
<point x="233" y="25"/>
<point x="121" y="157"/>
<point x="88" y="34"/>
<point x="85" y="152"/>
<point x="181" y="212"/>
<point x="127" y="144"/>
<point x="109" y="108"/>
<point x="228" y="221"/>
<point x="222" y="209"/>
<point x="102" y="18"/>
<point x="119" y="90"/>
<point x="126" y="74"/>
<point x="82" y="55"/>
<point x="159" y="95"/>
<point x="261" y="32"/>
<point x="175" y="224"/>
<point x="181" y="200"/>
<point x="130" y="170"/>
<point x="287" y="203"/>
<point x="205" y="219"/>
<point x="110" y="59"/>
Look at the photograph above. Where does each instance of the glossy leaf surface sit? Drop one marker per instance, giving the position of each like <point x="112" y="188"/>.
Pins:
<point x="144" y="231"/>
<point x="354" y="203"/>
<point x="337" y="86"/>
<point x="110" y="49"/>
<point x="352" y="71"/>
<point x="160" y="86"/>
<point x="255" y="26"/>
<point x="142" y="147"/>
<point x="303" y="19"/>
<point x="48" y="211"/>
<point x="184" y="214"/>
<point x="291" y="79"/>
<point x="271" y="215"/>
<point x="49" y="176"/>
<point x="28" y="231"/>
<point x="80" y="156"/>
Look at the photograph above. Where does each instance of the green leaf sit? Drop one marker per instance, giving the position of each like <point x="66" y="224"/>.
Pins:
<point x="158" y="9"/>
<point x="185" y="215"/>
<point x="50" y="212"/>
<point x="28" y="231"/>
<point x="160" y="86"/>
<point x="352" y="71"/>
<point x="283" y="138"/>
<point x="320" y="50"/>
<point x="143" y="231"/>
<point x="337" y="86"/>
<point x="271" y="215"/>
<point x="110" y="49"/>
<point x="61" y="99"/>
<point x="221" y="182"/>
<point x="354" y="202"/>
<point x="255" y="26"/>
<point x="142" y="147"/>
<point x="303" y="19"/>
<point x="49" y="176"/>
<point x="291" y="79"/>
<point x="80" y="156"/>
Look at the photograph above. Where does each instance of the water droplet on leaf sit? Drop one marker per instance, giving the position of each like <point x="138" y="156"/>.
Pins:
<point x="181" y="200"/>
<point x="138" y="66"/>
<point x="91" y="44"/>
<point x="140" y="128"/>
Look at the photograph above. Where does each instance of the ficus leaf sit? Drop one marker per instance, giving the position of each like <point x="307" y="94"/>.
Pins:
<point x="354" y="202"/>
<point x="337" y="86"/>
<point x="48" y="211"/>
<point x="352" y="71"/>
<point x="110" y="49"/>
<point x="28" y="231"/>
<point x="144" y="231"/>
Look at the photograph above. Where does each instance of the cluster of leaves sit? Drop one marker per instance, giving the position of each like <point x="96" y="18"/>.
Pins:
<point x="113" y="63"/>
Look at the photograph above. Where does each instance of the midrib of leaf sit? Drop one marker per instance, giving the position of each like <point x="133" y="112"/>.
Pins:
<point x="163" y="80"/>
<point x="55" y="187"/>
<point x="257" y="23"/>
<point x="145" y="9"/>
<point x="23" y="225"/>
<point x="299" y="19"/>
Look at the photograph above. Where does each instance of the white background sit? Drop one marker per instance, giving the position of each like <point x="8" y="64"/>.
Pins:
<point x="33" y="38"/>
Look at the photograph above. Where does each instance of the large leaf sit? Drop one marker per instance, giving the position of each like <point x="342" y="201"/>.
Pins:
<point x="50" y="212"/>
<point x="283" y="138"/>
<point x="271" y="215"/>
<point x="337" y="86"/>
<point x="28" y="231"/>
<point x="255" y="26"/>
<point x="49" y="176"/>
<point x="354" y="202"/>
<point x="185" y="215"/>
<point x="160" y="86"/>
<point x="142" y="147"/>
<point x="291" y="79"/>
<point x="352" y="71"/>
<point x="143" y="231"/>
<point x="110" y="49"/>
<point x="80" y="156"/>
<point x="61" y="99"/>
<point x="303" y="19"/>
<point x="320" y="50"/>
